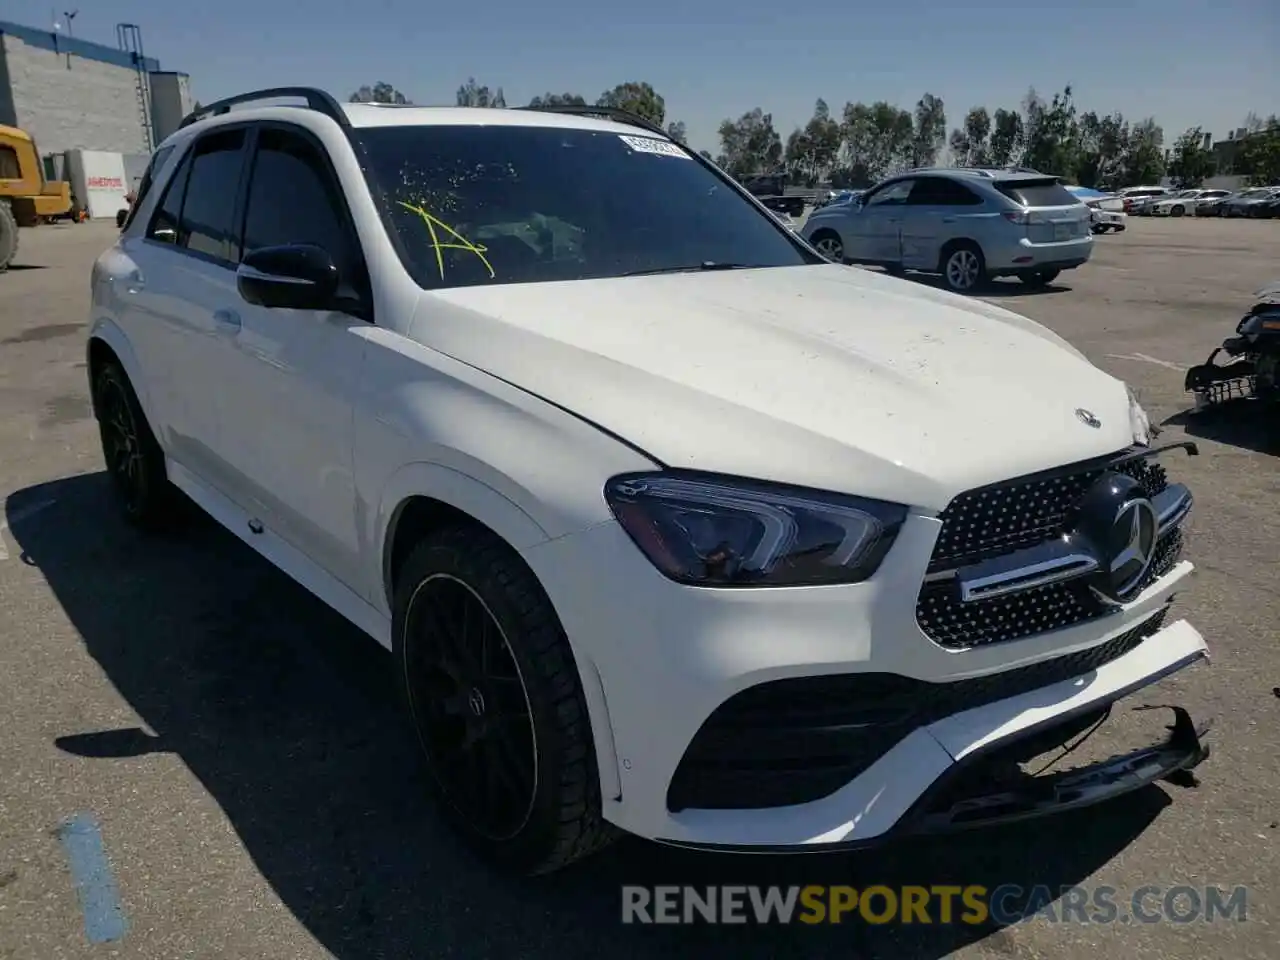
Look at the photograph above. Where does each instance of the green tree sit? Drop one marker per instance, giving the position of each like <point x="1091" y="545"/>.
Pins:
<point x="811" y="153"/>
<point x="877" y="140"/>
<point x="638" y="98"/>
<point x="969" y="144"/>
<point x="928" y="132"/>
<point x="1007" y="136"/>
<point x="1051" y="134"/>
<point x="1191" y="164"/>
<point x="1102" y="144"/>
<point x="471" y="94"/>
<point x="559" y="100"/>
<point x="1143" y="160"/>
<point x="380" y="92"/>
<point x="1260" y="153"/>
<point x="749" y="144"/>
<point x="677" y="132"/>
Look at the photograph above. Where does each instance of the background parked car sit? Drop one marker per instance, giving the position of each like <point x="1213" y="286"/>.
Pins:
<point x="1132" y="196"/>
<point x="1212" y="208"/>
<point x="1245" y="203"/>
<point x="1269" y="209"/>
<point x="1185" y="202"/>
<point x="1106" y="210"/>
<point x="966" y="224"/>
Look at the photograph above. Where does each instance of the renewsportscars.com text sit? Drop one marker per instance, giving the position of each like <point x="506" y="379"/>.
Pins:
<point x="940" y="904"/>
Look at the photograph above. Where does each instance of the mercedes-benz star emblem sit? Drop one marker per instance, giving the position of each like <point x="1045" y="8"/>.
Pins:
<point x="475" y="700"/>
<point x="1087" y="418"/>
<point x="1118" y="523"/>
<point x="1133" y="545"/>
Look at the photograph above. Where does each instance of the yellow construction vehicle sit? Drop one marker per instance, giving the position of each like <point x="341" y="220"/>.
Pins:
<point x="26" y="198"/>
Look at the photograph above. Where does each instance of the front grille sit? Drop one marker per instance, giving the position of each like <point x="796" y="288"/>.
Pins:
<point x="802" y="739"/>
<point x="1001" y="518"/>
<point x="993" y="521"/>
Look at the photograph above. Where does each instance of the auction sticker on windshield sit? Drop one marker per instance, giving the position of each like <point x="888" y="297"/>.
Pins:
<point x="662" y="148"/>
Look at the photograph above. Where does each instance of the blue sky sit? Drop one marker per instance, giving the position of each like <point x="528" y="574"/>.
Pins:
<point x="1187" y="63"/>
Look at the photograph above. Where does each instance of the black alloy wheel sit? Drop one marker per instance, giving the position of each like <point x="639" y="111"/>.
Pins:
<point x="134" y="460"/>
<point x="470" y="708"/>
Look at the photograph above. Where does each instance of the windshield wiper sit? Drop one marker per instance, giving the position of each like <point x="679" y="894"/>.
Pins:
<point x="696" y="268"/>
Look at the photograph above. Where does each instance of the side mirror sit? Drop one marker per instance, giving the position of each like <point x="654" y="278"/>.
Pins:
<point x="293" y="276"/>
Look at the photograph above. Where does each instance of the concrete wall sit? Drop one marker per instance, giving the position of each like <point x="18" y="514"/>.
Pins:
<point x="68" y="101"/>
<point x="170" y="101"/>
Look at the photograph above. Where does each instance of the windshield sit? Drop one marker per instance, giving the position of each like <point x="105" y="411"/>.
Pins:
<point x="515" y="204"/>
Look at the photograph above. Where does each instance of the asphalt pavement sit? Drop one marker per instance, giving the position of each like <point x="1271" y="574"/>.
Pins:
<point x="199" y="760"/>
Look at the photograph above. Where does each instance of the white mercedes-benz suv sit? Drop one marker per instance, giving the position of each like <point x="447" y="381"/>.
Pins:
<point x="671" y="526"/>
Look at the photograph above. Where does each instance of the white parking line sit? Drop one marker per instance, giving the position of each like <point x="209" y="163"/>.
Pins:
<point x="1143" y="358"/>
<point x="17" y="517"/>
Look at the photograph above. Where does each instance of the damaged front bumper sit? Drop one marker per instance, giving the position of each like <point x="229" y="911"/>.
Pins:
<point x="990" y="789"/>
<point x="1213" y="383"/>
<point x="967" y="770"/>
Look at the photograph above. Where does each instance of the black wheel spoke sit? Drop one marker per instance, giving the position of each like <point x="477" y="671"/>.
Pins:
<point x="471" y="708"/>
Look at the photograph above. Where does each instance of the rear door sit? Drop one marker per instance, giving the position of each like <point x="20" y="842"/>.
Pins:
<point x="185" y="271"/>
<point x="938" y="209"/>
<point x="1053" y="214"/>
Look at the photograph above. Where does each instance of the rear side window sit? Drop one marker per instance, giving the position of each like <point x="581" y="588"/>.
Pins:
<point x="1037" y="193"/>
<point x="165" y="221"/>
<point x="941" y="192"/>
<point x="148" y="178"/>
<point x="207" y="211"/>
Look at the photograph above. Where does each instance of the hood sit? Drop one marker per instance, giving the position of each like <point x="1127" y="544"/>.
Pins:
<point x="824" y="376"/>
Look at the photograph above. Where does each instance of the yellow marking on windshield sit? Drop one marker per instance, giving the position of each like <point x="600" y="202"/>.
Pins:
<point x="462" y="242"/>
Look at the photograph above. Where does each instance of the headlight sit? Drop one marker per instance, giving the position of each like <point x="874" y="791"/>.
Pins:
<point x="1139" y="420"/>
<point x="712" y="531"/>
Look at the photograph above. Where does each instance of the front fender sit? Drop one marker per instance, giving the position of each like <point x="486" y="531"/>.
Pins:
<point x="460" y="491"/>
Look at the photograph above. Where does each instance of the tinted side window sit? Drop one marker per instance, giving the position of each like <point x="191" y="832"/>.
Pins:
<point x="293" y="199"/>
<point x="164" y="223"/>
<point x="148" y="178"/>
<point x="207" y="212"/>
<point x="894" y="194"/>
<point x="940" y="192"/>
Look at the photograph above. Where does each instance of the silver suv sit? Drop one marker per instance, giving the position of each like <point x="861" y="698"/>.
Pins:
<point x="966" y="224"/>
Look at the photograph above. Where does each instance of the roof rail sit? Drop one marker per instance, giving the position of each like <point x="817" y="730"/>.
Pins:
<point x="611" y="113"/>
<point x="316" y="99"/>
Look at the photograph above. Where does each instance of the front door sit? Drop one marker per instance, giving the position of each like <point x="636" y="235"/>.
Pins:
<point x="877" y="227"/>
<point x="288" y="424"/>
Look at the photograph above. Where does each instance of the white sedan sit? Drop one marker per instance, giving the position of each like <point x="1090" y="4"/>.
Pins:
<point x="1106" y="210"/>
<point x="1185" y="202"/>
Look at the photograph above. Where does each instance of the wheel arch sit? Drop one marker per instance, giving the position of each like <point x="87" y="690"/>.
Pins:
<point x="107" y="343"/>
<point x="411" y="513"/>
<point x="954" y="244"/>
<point x="421" y="498"/>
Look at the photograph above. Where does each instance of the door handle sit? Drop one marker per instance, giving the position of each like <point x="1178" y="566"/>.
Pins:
<point x="228" y="321"/>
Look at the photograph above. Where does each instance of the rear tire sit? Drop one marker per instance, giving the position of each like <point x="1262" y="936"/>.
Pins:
<point x="8" y="235"/>
<point x="963" y="267"/>
<point x="132" y="454"/>
<point x="493" y="693"/>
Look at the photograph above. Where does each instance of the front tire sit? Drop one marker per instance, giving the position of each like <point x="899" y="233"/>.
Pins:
<point x="493" y="694"/>
<point x="829" y="244"/>
<point x="132" y="454"/>
<point x="1178" y="211"/>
